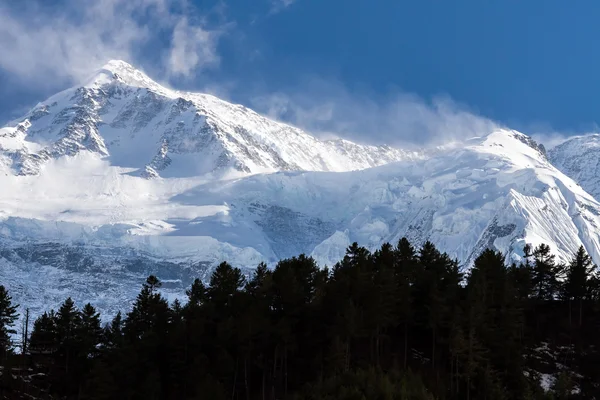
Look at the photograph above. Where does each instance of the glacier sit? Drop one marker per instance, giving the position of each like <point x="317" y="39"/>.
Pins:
<point x="105" y="183"/>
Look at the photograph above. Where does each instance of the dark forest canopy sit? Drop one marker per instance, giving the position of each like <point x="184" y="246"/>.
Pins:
<point x="398" y="323"/>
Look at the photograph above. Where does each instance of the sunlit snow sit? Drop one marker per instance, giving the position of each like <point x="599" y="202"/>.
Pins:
<point x="105" y="183"/>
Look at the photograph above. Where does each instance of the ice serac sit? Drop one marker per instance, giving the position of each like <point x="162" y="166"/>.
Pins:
<point x="579" y="158"/>
<point x="118" y="178"/>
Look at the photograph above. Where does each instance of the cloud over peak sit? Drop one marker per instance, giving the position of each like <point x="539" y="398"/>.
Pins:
<point x="67" y="45"/>
<point x="50" y="47"/>
<point x="328" y="108"/>
<point x="192" y="47"/>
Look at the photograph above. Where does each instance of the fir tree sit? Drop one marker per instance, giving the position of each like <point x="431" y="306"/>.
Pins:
<point x="545" y="273"/>
<point x="225" y="282"/>
<point x="405" y="269"/>
<point x="44" y="337"/>
<point x="197" y="293"/>
<point x="355" y="332"/>
<point x="8" y="316"/>
<point x="576" y="285"/>
<point x="90" y="331"/>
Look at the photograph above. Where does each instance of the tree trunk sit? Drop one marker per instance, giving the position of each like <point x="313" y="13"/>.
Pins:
<point x="457" y="376"/>
<point x="263" y="383"/>
<point x="468" y="386"/>
<point x="452" y="376"/>
<point x="274" y="376"/>
<point x="377" y="347"/>
<point x="433" y="349"/>
<point x="246" y="377"/>
<point x="405" y="343"/>
<point x="347" y="366"/>
<point x="234" y="379"/>
<point x="570" y="323"/>
<point x="286" y="369"/>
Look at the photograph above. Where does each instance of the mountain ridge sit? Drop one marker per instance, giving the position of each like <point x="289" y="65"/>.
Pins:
<point x="110" y="181"/>
<point x="119" y="102"/>
<point x="579" y="158"/>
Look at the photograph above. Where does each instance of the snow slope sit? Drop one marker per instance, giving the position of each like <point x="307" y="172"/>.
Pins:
<point x="497" y="191"/>
<point x="106" y="183"/>
<point x="579" y="158"/>
<point x="133" y="122"/>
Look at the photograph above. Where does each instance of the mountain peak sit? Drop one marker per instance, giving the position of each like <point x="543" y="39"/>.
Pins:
<point x="513" y="143"/>
<point x="120" y="71"/>
<point x="118" y="66"/>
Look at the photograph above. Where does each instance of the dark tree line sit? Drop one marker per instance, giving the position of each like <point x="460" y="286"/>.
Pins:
<point x="398" y="323"/>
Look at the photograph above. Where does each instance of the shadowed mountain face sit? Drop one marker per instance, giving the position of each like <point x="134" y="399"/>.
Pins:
<point x="105" y="183"/>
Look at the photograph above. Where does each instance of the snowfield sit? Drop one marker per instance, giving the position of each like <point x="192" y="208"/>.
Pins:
<point x="103" y="184"/>
<point x="579" y="157"/>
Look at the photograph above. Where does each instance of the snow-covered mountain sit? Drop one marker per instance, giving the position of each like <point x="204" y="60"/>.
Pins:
<point x="133" y="122"/>
<point x="106" y="183"/>
<point x="579" y="158"/>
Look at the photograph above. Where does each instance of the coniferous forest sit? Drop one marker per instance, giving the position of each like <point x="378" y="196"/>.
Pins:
<point x="399" y="323"/>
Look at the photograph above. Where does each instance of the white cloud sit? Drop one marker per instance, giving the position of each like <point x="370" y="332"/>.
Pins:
<point x="192" y="47"/>
<point x="67" y="46"/>
<point x="42" y="48"/>
<point x="327" y="108"/>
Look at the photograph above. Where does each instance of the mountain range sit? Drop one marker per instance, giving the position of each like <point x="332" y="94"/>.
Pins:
<point x="110" y="181"/>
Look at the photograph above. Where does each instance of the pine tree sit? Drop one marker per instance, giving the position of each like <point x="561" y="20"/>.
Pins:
<point x="382" y="303"/>
<point x="302" y="332"/>
<point x="576" y="286"/>
<point x="545" y="273"/>
<point x="67" y="325"/>
<point x="225" y="282"/>
<point x="150" y="310"/>
<point x="8" y="316"/>
<point x="66" y="369"/>
<point x="405" y="269"/>
<point x="521" y="277"/>
<point x="498" y="319"/>
<point x="44" y="337"/>
<point x="145" y="333"/>
<point x="153" y="283"/>
<point x="258" y="325"/>
<point x="113" y="332"/>
<point x="436" y="287"/>
<point x="197" y="293"/>
<point x="90" y="331"/>
<point x="295" y="283"/>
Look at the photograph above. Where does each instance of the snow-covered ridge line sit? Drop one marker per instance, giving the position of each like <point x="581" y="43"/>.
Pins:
<point x="173" y="133"/>
<point x="120" y="177"/>
<point x="579" y="158"/>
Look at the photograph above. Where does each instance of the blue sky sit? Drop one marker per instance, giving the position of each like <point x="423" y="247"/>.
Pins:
<point x="375" y="71"/>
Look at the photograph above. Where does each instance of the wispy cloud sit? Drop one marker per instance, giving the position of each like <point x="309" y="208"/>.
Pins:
<point x="280" y="5"/>
<point x="68" y="45"/>
<point x="84" y="34"/>
<point x="192" y="48"/>
<point x="329" y="109"/>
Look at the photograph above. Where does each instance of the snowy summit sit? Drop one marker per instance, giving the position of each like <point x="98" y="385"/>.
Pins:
<point x="120" y="177"/>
